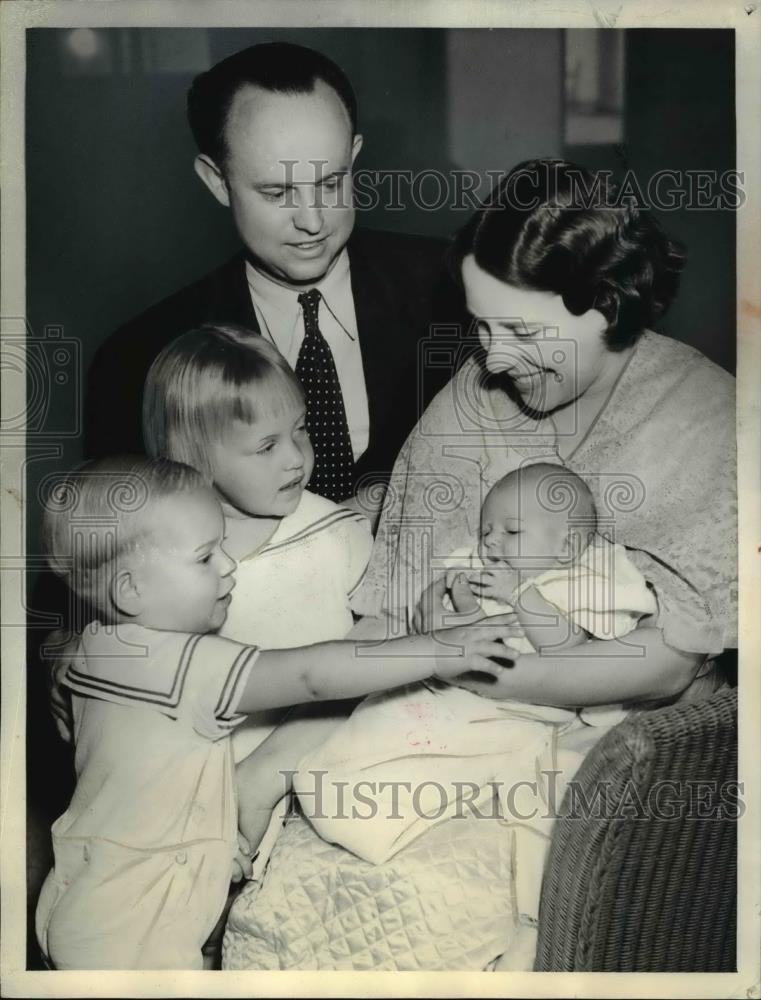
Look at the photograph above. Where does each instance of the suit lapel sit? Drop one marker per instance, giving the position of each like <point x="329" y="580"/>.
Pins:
<point x="231" y="296"/>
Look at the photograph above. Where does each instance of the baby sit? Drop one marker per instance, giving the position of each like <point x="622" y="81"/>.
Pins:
<point x="540" y="555"/>
<point x="145" y="852"/>
<point x="539" y="552"/>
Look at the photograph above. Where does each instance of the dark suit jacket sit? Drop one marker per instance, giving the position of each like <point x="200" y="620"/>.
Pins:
<point x="400" y="288"/>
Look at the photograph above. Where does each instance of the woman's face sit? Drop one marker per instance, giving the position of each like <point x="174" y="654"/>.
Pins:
<point x="552" y="356"/>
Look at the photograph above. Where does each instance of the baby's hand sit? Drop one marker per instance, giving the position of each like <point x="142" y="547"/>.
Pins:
<point x="498" y="582"/>
<point x="462" y="580"/>
<point x="432" y="611"/>
<point x="243" y="862"/>
<point x="475" y="647"/>
<point x="453" y="574"/>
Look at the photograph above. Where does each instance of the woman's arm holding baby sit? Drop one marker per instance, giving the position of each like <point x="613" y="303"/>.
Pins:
<point x="641" y="667"/>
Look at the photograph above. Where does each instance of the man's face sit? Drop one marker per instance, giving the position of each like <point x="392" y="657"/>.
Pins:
<point x="287" y="179"/>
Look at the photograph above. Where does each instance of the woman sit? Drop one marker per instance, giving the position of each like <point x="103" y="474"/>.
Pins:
<point x="564" y="282"/>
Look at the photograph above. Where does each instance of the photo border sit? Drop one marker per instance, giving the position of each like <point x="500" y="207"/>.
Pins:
<point x="745" y="18"/>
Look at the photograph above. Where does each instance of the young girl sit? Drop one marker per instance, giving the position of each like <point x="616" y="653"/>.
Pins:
<point x="144" y="853"/>
<point x="226" y="403"/>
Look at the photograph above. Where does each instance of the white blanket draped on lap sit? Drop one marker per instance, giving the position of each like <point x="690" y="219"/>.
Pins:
<point x="412" y="758"/>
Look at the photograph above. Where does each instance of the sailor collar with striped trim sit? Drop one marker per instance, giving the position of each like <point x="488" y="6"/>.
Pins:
<point x="313" y="515"/>
<point x="136" y="666"/>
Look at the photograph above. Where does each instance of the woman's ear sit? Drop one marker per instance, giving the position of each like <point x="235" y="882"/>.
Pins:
<point x="125" y="593"/>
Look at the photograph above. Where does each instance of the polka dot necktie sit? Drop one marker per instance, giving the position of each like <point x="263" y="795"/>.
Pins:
<point x="333" y="475"/>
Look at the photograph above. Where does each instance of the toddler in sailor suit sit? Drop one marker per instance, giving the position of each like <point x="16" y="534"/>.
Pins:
<point x="145" y="852"/>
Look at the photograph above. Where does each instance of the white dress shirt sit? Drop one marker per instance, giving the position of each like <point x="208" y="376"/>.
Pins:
<point x="281" y="321"/>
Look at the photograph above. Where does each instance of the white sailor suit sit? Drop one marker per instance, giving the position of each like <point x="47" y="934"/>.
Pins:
<point x="144" y="853"/>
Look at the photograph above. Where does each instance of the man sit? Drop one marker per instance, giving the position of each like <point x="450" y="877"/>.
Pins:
<point x="275" y="127"/>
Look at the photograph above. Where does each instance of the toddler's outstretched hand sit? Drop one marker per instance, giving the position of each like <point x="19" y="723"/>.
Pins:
<point x="475" y="647"/>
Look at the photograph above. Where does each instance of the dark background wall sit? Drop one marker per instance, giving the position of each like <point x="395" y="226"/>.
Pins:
<point x="679" y="114"/>
<point x="116" y="218"/>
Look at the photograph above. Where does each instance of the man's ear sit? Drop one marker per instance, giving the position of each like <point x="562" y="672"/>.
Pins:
<point x="356" y="146"/>
<point x="213" y="178"/>
<point x="125" y="593"/>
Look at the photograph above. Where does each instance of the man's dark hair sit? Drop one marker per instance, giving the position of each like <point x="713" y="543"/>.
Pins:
<point x="552" y="226"/>
<point x="279" y="67"/>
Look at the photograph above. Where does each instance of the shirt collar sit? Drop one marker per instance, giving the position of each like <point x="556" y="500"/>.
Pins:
<point x="268" y="294"/>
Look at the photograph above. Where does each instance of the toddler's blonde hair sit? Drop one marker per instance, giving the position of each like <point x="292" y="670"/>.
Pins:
<point x="96" y="515"/>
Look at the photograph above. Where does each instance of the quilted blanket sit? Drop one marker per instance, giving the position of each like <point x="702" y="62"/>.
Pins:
<point x="444" y="902"/>
<point x="464" y="895"/>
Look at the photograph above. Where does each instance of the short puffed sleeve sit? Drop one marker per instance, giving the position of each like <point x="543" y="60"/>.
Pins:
<point x="196" y="679"/>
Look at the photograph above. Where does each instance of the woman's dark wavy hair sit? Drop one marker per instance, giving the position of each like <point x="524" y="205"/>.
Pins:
<point x="552" y="226"/>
